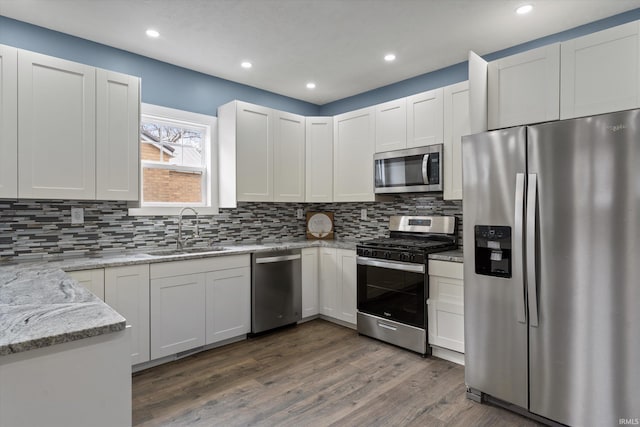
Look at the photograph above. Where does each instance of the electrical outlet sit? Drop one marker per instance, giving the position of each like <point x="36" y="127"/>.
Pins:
<point x="363" y="214"/>
<point x="299" y="214"/>
<point x="77" y="216"/>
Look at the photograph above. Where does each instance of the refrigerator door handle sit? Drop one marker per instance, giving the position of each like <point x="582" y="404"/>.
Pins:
<point x="518" y="256"/>
<point x="532" y="207"/>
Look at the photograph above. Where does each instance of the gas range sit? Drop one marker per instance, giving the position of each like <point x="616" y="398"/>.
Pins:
<point x="393" y="281"/>
<point x="412" y="239"/>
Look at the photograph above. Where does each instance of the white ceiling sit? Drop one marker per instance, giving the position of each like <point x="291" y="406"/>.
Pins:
<point x="338" y="44"/>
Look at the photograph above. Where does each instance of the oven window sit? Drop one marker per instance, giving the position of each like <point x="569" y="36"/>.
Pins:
<point x="392" y="294"/>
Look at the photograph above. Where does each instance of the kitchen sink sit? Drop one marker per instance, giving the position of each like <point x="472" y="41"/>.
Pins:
<point x="186" y="251"/>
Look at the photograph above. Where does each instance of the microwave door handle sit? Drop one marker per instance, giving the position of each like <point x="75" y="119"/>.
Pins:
<point x="425" y="168"/>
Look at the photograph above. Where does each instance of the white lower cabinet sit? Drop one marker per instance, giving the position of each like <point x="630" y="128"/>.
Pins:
<point x="446" y="305"/>
<point x="126" y="290"/>
<point x="228" y="304"/>
<point x="337" y="283"/>
<point x="198" y="302"/>
<point x="347" y="282"/>
<point x="310" y="272"/>
<point x="177" y="314"/>
<point x="90" y="279"/>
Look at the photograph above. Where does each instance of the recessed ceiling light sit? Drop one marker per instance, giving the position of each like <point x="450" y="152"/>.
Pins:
<point x="153" y="33"/>
<point x="311" y="85"/>
<point x="389" y="57"/>
<point x="246" y="64"/>
<point x="524" y="9"/>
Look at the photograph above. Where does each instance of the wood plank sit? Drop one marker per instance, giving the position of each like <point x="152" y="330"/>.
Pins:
<point x="315" y="374"/>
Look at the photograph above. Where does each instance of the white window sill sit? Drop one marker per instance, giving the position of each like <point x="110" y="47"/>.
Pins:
<point x="168" y="211"/>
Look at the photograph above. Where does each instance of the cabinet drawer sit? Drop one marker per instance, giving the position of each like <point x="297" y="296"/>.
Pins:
<point x="454" y="270"/>
<point x="202" y="265"/>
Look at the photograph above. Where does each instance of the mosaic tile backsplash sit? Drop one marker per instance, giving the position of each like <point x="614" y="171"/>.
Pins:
<point x="42" y="229"/>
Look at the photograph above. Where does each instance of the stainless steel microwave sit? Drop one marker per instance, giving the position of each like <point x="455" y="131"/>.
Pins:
<point x="415" y="170"/>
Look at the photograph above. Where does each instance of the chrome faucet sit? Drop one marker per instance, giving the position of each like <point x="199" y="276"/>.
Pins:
<point x="182" y="242"/>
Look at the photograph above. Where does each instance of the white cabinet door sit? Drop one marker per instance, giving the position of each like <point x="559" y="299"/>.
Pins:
<point x="347" y="285"/>
<point x="310" y="275"/>
<point x="228" y="304"/>
<point x="446" y="305"/>
<point x="254" y="151"/>
<point x="126" y="290"/>
<point x="525" y="88"/>
<point x="353" y="148"/>
<point x="8" y="122"/>
<point x="117" y="135"/>
<point x="328" y="282"/>
<point x="177" y="314"/>
<point x="56" y="128"/>
<point x="391" y="125"/>
<point x="456" y="124"/>
<point x="601" y="72"/>
<point x="424" y="118"/>
<point x="319" y="159"/>
<point x="90" y="279"/>
<point x="288" y="157"/>
<point x="478" y="93"/>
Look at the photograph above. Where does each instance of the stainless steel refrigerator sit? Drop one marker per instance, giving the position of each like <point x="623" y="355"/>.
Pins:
<point x="552" y="268"/>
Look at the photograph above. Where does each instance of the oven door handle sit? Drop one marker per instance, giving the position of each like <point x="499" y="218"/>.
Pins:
<point x="393" y="265"/>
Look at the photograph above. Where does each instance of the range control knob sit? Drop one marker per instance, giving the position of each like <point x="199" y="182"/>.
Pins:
<point x="366" y="252"/>
<point x="387" y="255"/>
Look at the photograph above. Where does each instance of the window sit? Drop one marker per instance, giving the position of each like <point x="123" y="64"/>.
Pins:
<point x="177" y="158"/>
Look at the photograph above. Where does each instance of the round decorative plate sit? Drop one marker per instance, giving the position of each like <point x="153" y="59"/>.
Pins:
<point x="319" y="225"/>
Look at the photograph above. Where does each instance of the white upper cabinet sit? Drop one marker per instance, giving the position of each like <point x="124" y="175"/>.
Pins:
<point x="117" y="133"/>
<point x="391" y="125"/>
<point x="601" y="72"/>
<point x="477" y="93"/>
<point x="8" y="122"/>
<point x="319" y="159"/>
<point x="456" y="125"/>
<point x="288" y="157"/>
<point x="261" y="154"/>
<point x="56" y="127"/>
<point x="524" y="88"/>
<point x="424" y="118"/>
<point x="353" y="148"/>
<point x="254" y="147"/>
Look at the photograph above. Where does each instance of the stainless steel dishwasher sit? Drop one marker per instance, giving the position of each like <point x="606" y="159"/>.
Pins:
<point x="276" y="289"/>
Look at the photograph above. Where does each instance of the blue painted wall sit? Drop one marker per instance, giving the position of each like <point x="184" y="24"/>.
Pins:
<point x="459" y="72"/>
<point x="162" y="83"/>
<point x="177" y="87"/>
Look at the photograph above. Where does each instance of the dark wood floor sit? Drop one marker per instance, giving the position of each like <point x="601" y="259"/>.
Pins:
<point x="314" y="374"/>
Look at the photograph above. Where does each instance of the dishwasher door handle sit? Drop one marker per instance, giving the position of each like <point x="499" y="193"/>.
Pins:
<point x="267" y="260"/>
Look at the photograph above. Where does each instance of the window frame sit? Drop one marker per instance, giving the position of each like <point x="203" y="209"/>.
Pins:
<point x="210" y="155"/>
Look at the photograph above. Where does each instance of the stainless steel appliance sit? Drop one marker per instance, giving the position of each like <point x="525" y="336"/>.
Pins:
<point x="393" y="281"/>
<point x="409" y="171"/>
<point x="276" y="289"/>
<point x="551" y="270"/>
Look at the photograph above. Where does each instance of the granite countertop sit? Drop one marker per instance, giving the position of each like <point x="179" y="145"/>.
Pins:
<point x="453" y="256"/>
<point x="40" y="305"/>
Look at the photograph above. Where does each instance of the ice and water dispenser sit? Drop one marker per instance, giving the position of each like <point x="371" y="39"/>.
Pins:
<point x="493" y="250"/>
